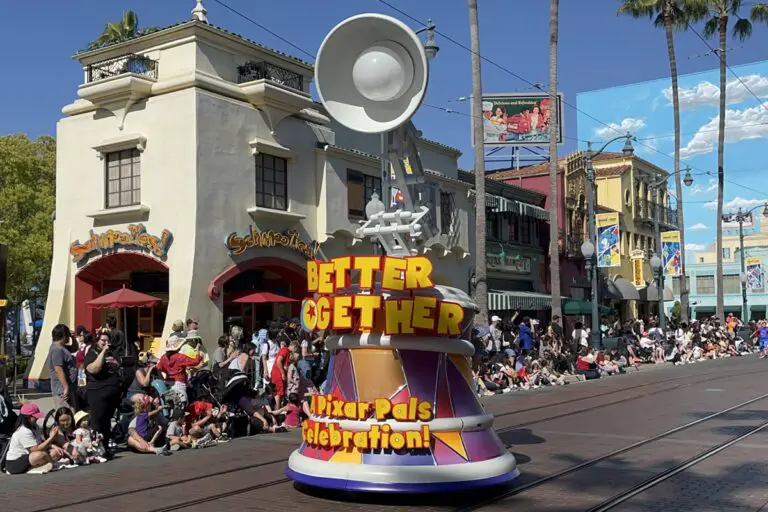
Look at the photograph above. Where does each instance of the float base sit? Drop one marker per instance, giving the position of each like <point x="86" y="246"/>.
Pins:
<point x="392" y="480"/>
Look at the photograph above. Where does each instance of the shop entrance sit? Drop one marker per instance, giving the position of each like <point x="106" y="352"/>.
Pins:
<point x="109" y="273"/>
<point x="260" y="275"/>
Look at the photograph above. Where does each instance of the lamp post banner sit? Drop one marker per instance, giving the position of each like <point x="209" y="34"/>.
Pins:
<point x="672" y="263"/>
<point x="754" y="273"/>
<point x="608" y="240"/>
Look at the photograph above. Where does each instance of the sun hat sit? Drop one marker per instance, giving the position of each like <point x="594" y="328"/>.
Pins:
<point x="31" y="410"/>
<point x="495" y="318"/>
<point x="80" y="416"/>
<point x="173" y="343"/>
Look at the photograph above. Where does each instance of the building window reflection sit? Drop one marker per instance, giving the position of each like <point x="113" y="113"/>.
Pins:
<point x="123" y="178"/>
<point x="271" y="182"/>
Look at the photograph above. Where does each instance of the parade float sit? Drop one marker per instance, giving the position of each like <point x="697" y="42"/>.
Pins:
<point x="399" y="413"/>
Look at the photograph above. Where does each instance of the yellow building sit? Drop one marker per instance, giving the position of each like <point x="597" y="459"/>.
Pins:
<point x="626" y="185"/>
<point x="754" y="236"/>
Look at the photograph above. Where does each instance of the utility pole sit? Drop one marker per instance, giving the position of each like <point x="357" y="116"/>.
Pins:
<point x="554" y="227"/>
<point x="480" y="294"/>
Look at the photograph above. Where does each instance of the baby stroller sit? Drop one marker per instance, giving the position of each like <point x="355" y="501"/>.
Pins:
<point x="201" y="386"/>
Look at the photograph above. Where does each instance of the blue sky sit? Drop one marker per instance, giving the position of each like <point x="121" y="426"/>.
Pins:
<point x="645" y="109"/>
<point x="597" y="50"/>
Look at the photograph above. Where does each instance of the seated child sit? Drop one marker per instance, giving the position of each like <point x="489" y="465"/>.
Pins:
<point x="292" y="411"/>
<point x="175" y="435"/>
<point x="87" y="443"/>
<point x="203" y="423"/>
<point x="143" y="431"/>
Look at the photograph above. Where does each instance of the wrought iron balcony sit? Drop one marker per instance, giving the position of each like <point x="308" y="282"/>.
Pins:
<point x="125" y="64"/>
<point x="251" y="71"/>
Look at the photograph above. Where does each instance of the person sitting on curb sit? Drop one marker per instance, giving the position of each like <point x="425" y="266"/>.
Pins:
<point x="27" y="449"/>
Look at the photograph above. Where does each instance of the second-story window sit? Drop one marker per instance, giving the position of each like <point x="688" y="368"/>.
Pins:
<point x="726" y="253"/>
<point x="123" y="181"/>
<point x="514" y="232"/>
<point x="360" y="188"/>
<point x="271" y="182"/>
<point x="705" y="285"/>
<point x="446" y="212"/>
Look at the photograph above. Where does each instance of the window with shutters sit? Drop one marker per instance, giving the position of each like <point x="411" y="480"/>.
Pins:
<point x="705" y="285"/>
<point x="123" y="178"/>
<point x="731" y="283"/>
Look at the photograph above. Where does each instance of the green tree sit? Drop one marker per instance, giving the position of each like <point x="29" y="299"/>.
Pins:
<point x="669" y="15"/>
<point x="675" y="314"/>
<point x="27" y="198"/>
<point x="716" y="15"/>
<point x="122" y="30"/>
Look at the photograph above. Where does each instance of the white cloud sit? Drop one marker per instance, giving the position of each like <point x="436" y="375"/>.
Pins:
<point x="629" y="124"/>
<point x="695" y="247"/>
<point x="750" y="123"/>
<point x="707" y="94"/>
<point x="649" y="145"/>
<point x="696" y="190"/>
<point x="712" y="185"/>
<point x="736" y="203"/>
<point x="698" y="227"/>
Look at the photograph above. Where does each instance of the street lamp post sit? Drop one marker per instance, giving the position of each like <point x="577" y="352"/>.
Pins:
<point x="688" y="180"/>
<point x="741" y="216"/>
<point x="658" y="272"/>
<point x="591" y="241"/>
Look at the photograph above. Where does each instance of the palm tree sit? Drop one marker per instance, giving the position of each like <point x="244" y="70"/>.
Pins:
<point x="554" y="227"/>
<point x="122" y="30"/>
<point x="716" y="14"/>
<point x="759" y="13"/>
<point x="669" y="15"/>
<point x="481" y="287"/>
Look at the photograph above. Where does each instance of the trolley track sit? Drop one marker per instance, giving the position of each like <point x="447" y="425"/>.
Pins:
<point x="511" y="492"/>
<point x="655" y="480"/>
<point x="645" y="485"/>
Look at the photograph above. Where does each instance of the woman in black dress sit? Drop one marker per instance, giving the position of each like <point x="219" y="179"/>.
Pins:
<point x="103" y="386"/>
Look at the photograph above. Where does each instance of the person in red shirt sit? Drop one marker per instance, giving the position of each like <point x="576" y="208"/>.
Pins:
<point x="202" y="421"/>
<point x="174" y="366"/>
<point x="280" y="370"/>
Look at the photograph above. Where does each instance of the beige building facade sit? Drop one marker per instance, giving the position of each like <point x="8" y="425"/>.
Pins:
<point x="195" y="167"/>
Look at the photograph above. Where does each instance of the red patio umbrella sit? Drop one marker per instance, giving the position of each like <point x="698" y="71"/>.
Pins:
<point x="122" y="299"/>
<point x="261" y="297"/>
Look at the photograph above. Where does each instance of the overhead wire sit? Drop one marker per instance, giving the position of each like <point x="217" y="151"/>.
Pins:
<point x="577" y="109"/>
<point x="461" y="45"/>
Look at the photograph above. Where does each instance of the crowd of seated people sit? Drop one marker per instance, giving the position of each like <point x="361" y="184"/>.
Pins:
<point x="182" y="400"/>
<point x="520" y="354"/>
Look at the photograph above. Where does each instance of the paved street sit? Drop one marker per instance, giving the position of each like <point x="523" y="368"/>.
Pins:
<point x="551" y="431"/>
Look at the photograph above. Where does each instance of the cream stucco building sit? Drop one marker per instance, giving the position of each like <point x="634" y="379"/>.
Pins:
<point x="185" y="141"/>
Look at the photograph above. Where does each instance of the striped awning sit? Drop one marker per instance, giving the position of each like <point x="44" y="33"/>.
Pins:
<point x="499" y="300"/>
<point x="504" y="205"/>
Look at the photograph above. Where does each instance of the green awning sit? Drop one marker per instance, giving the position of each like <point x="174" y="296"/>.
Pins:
<point x="574" y="307"/>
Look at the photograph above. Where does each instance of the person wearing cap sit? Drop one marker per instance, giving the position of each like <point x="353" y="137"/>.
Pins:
<point x="142" y="379"/>
<point x="27" y="448"/>
<point x="495" y="333"/>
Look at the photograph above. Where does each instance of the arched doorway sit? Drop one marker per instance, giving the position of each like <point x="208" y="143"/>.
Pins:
<point x="111" y="272"/>
<point x="267" y="274"/>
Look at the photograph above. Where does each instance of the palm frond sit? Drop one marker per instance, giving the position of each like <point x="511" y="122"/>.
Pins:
<point x="733" y="7"/>
<point x="130" y="22"/>
<point x="697" y="10"/>
<point x="742" y="29"/>
<point x="759" y="13"/>
<point x="639" y="8"/>
<point x="711" y="27"/>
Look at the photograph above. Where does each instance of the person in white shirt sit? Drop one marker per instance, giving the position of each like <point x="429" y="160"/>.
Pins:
<point x="580" y="335"/>
<point x="496" y="334"/>
<point x="27" y="449"/>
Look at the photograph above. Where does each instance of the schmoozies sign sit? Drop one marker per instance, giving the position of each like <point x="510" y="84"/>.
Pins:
<point x="237" y="243"/>
<point x="135" y="238"/>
